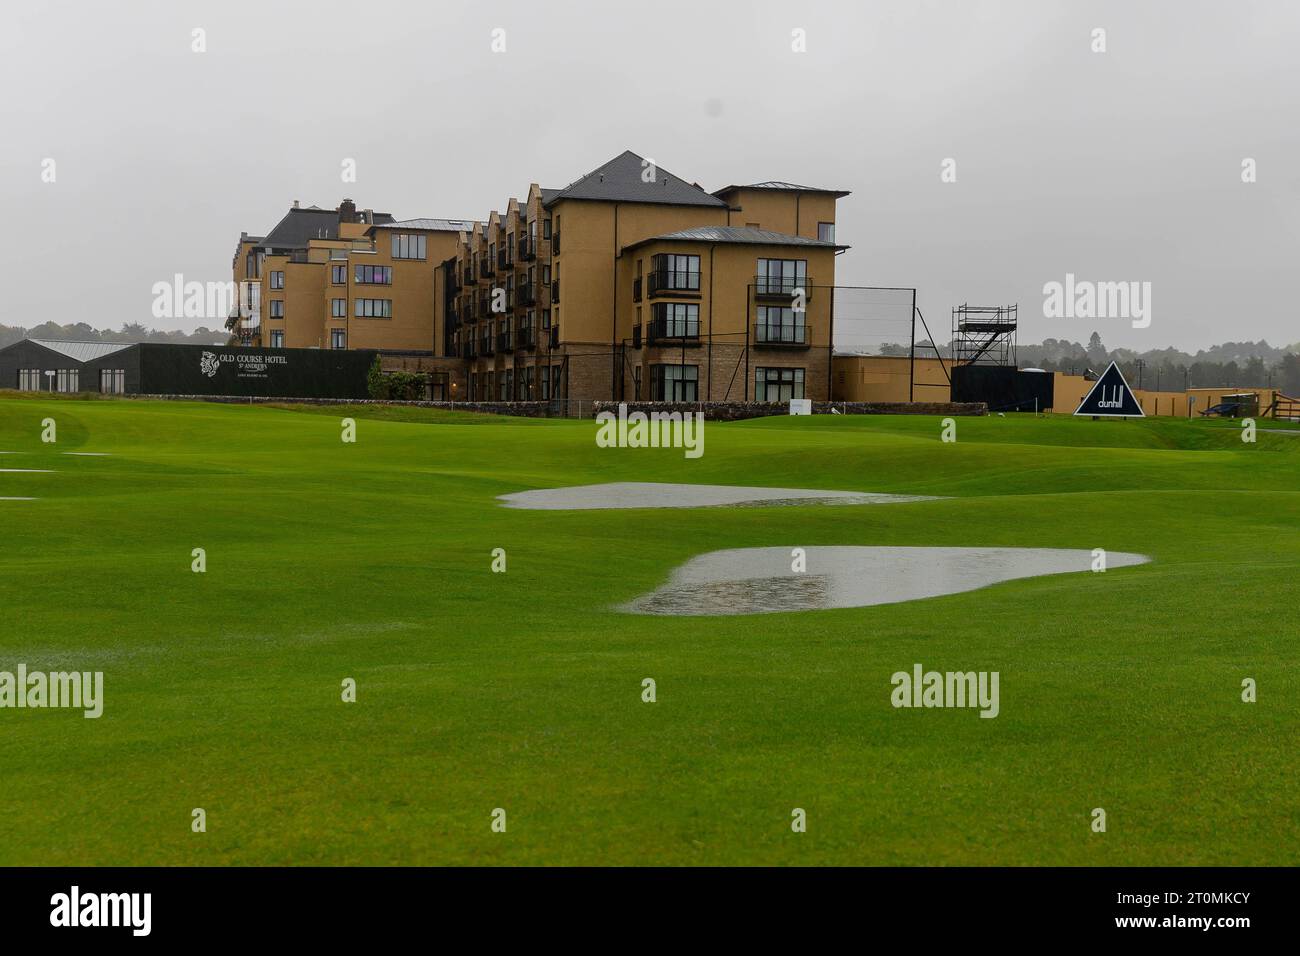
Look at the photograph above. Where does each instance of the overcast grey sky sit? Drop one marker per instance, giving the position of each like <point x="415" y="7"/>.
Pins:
<point x="1116" y="166"/>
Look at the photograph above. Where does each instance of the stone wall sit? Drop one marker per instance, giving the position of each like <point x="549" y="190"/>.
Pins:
<point x="735" y="411"/>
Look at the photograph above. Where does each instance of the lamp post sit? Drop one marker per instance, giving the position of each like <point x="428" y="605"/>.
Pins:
<point x="49" y="373"/>
<point x="1140" y="366"/>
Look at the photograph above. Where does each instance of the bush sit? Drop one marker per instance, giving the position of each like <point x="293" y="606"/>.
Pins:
<point x="396" y="386"/>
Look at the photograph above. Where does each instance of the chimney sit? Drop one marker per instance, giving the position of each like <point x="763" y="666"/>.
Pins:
<point x="347" y="211"/>
<point x="368" y="217"/>
<point x="295" y="204"/>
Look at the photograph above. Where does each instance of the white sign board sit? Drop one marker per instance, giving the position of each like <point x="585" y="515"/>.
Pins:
<point x="801" y="406"/>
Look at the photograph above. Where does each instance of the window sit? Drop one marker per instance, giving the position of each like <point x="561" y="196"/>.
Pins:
<point x="546" y="228"/>
<point x="777" y="384"/>
<point x="781" y="324"/>
<point x="675" y="383"/>
<point x="277" y="308"/>
<point x="545" y="379"/>
<point x="339" y="308"/>
<point x="781" y="276"/>
<point x="676" y="320"/>
<point x="675" y="273"/>
<point x="636" y="383"/>
<point x="555" y="380"/>
<point x="277" y="280"/>
<point x="546" y="275"/>
<point x="29" y="379"/>
<point x="339" y="275"/>
<point x="338" y="339"/>
<point x="409" y="247"/>
<point x="373" y="308"/>
<point x="826" y="231"/>
<point x="373" y="275"/>
<point x="546" y="318"/>
<point x="277" y="338"/>
<point x="112" y="381"/>
<point x="68" y="380"/>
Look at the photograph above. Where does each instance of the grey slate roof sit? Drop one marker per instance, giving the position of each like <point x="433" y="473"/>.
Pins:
<point x="300" y="225"/>
<point x="619" y="180"/>
<point x="83" y="351"/>
<point x="740" y="234"/>
<point x="776" y="184"/>
<point x="434" y="225"/>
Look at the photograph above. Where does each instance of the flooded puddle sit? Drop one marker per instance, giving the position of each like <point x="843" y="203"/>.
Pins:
<point x="649" y="494"/>
<point x="760" y="580"/>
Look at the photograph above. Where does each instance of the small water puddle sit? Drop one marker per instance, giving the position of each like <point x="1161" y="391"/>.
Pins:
<point x="760" y="580"/>
<point x="652" y="494"/>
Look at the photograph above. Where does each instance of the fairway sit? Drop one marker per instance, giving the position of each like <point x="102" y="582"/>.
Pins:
<point x="522" y="690"/>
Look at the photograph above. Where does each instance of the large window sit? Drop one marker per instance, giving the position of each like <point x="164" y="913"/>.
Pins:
<point x="373" y="308"/>
<point x="29" y="379"/>
<point x="675" y="383"/>
<point x="338" y="339"/>
<point x="408" y="247"/>
<point x="277" y="280"/>
<point x="277" y="338"/>
<point x="112" y="380"/>
<point x="277" y="308"/>
<point x="826" y="231"/>
<point x="675" y="273"/>
<point x="68" y="379"/>
<point x="781" y="324"/>
<point x="373" y="275"/>
<point x="339" y="308"/>
<point x="675" y="320"/>
<point x="781" y="276"/>
<point x="339" y="275"/>
<point x="777" y="384"/>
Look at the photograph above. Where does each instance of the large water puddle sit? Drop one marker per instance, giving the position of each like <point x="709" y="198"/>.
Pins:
<point x="761" y="580"/>
<point x="650" y="494"/>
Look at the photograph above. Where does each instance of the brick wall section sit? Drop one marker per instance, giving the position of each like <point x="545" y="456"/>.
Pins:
<point x="735" y="411"/>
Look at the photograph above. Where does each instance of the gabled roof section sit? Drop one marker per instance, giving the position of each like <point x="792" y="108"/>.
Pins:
<point x="429" y="225"/>
<point x="619" y="180"/>
<point x="777" y="186"/>
<point x="82" y="351"/>
<point x="300" y="226"/>
<point x="738" y="235"/>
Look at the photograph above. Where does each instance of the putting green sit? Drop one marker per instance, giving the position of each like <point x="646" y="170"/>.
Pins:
<point x="523" y="690"/>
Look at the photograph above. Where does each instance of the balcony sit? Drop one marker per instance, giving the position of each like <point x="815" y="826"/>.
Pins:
<point x="486" y="269"/>
<point x="636" y="289"/>
<point x="771" y="287"/>
<point x="555" y="292"/>
<point x="486" y="347"/>
<point x="469" y="277"/>
<point x="674" y="332"/>
<point x="527" y="250"/>
<point x="668" y="282"/>
<point x="505" y="342"/>
<point x="467" y="350"/>
<point x="503" y="261"/>
<point x="525" y="295"/>
<point x="771" y="336"/>
<point x="525" y="338"/>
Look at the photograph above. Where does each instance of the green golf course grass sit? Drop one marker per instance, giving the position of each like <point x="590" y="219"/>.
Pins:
<point x="522" y="690"/>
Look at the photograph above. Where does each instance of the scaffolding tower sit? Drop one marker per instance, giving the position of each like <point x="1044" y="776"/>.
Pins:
<point x="984" y="334"/>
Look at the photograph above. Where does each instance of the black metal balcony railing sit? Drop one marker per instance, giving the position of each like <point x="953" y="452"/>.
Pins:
<point x="674" y="282"/>
<point x="486" y="268"/>
<point x="782" y="286"/>
<point x="787" y="335"/>
<point x="502" y="259"/>
<point x="674" y="329"/>
<point x="527" y="250"/>
<point x="636" y="289"/>
<point x="469" y="277"/>
<point x="467" y="350"/>
<point x="505" y="342"/>
<point x="486" y="347"/>
<point x="525" y="295"/>
<point x="525" y="337"/>
<point x="555" y="291"/>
